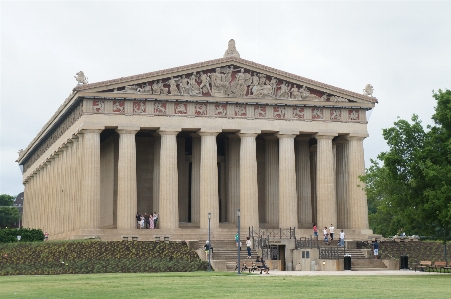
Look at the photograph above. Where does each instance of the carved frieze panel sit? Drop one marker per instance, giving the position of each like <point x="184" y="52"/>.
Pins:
<point x="335" y="114"/>
<point x="139" y="107"/>
<point x="180" y="108"/>
<point x="259" y="111"/>
<point x="98" y="106"/>
<point x="317" y="113"/>
<point x="220" y="110"/>
<point x="240" y="110"/>
<point x="279" y="112"/>
<point x="159" y="108"/>
<point x="353" y="114"/>
<point x="119" y="107"/>
<point x="298" y="113"/>
<point x="200" y="109"/>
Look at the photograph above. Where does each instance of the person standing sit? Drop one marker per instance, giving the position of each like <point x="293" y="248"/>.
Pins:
<point x="376" y="249"/>
<point x="151" y="225"/>
<point x="207" y="249"/>
<point x="155" y="219"/>
<point x="46" y="236"/>
<point x="331" y="232"/>
<point x="342" y="238"/>
<point x="248" y="246"/>
<point x="315" y="230"/>
<point x="138" y="219"/>
<point x="146" y="219"/>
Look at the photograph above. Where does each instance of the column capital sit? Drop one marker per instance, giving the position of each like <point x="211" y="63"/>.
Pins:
<point x="250" y="131"/>
<point x="358" y="137"/>
<point x="285" y="136"/>
<point x="168" y="132"/>
<point x="247" y="135"/>
<point x="91" y="127"/>
<point x="326" y="136"/>
<point x="128" y="129"/>
<point x="207" y="133"/>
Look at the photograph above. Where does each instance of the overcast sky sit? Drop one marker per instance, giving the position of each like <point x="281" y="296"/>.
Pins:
<point x="402" y="48"/>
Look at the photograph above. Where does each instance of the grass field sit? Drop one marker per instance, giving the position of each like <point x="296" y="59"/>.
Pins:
<point x="223" y="285"/>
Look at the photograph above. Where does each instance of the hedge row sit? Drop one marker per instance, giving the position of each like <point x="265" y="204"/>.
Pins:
<point x="71" y="257"/>
<point x="9" y="235"/>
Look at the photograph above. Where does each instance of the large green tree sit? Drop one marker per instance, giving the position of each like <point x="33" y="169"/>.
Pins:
<point x="8" y="213"/>
<point x="410" y="186"/>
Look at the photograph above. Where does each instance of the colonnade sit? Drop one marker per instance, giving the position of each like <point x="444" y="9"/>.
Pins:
<point x="304" y="183"/>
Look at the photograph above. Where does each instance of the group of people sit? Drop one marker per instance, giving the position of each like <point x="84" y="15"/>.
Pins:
<point x="147" y="221"/>
<point x="328" y="234"/>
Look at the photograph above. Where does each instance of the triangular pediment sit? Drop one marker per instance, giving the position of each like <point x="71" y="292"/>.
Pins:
<point x="230" y="77"/>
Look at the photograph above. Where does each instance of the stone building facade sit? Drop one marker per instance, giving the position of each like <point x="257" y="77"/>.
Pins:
<point x="210" y="137"/>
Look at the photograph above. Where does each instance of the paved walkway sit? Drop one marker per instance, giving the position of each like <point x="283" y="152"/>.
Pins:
<point x="349" y="273"/>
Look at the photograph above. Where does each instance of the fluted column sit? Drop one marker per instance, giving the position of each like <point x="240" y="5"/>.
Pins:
<point x="182" y="180"/>
<point x="303" y="181"/>
<point x="126" y="186"/>
<point x="168" y="205"/>
<point x="288" y="216"/>
<point x="91" y="179"/>
<point x="209" y="201"/>
<point x="358" y="214"/>
<point x="271" y="180"/>
<point x="195" y="179"/>
<point x="325" y="182"/>
<point x="156" y="173"/>
<point x="313" y="166"/>
<point x="248" y="181"/>
<point x="233" y="177"/>
<point x="342" y="183"/>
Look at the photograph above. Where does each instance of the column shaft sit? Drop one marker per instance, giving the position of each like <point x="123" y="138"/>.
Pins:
<point x="303" y="181"/>
<point x="209" y="201"/>
<point x="156" y="173"/>
<point x="248" y="181"/>
<point x="233" y="178"/>
<point x="168" y="204"/>
<point x="287" y="182"/>
<point x="271" y="181"/>
<point x="342" y="184"/>
<point x="195" y="179"/>
<point x="127" y="190"/>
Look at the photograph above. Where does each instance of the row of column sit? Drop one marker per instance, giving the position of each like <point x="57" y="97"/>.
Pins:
<point x="74" y="171"/>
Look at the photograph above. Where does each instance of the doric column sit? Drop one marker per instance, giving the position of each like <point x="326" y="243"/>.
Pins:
<point x="248" y="179"/>
<point x="182" y="180"/>
<point x="126" y="186"/>
<point x="303" y="181"/>
<point x="233" y="177"/>
<point x="358" y="212"/>
<point x="156" y="173"/>
<point x="222" y="191"/>
<point x="271" y="180"/>
<point x="325" y="182"/>
<point x="313" y="161"/>
<point x="168" y="205"/>
<point x="342" y="183"/>
<point x="91" y="178"/>
<point x="288" y="211"/>
<point x="209" y="201"/>
<point x="195" y="179"/>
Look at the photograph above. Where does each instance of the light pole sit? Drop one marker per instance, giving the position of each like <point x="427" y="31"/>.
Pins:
<point x="209" y="243"/>
<point x="239" y="242"/>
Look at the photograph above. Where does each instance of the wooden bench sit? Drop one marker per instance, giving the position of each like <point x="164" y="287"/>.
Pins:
<point x="438" y="265"/>
<point x="424" y="265"/>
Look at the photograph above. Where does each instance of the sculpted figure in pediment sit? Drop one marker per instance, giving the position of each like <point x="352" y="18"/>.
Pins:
<point x="163" y="90"/>
<point x="217" y="83"/>
<point x="238" y="86"/>
<point x="338" y="99"/>
<point x="173" y="86"/>
<point x="304" y="93"/>
<point x="295" y="94"/>
<point x="205" y="83"/>
<point x="283" y="91"/>
<point x="263" y="89"/>
<point x="146" y="88"/>
<point x="185" y="86"/>
<point x="194" y="88"/>
<point x="273" y="84"/>
<point x="156" y="88"/>
<point x="231" y="50"/>
<point x="324" y="98"/>
<point x="254" y="82"/>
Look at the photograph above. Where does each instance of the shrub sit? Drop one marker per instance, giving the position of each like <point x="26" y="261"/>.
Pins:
<point x="9" y="235"/>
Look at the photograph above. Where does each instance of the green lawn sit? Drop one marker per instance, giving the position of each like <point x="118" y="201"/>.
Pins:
<point x="223" y="285"/>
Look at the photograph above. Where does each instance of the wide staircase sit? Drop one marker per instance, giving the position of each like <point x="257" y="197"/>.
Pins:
<point x="226" y="250"/>
<point x="359" y="262"/>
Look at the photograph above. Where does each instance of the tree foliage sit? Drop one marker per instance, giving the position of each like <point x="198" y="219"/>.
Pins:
<point x="8" y="213"/>
<point x="411" y="188"/>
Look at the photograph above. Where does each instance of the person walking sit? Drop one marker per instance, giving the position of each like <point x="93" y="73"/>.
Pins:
<point x="138" y="219"/>
<point x="376" y="249"/>
<point x="331" y="232"/>
<point x="342" y="238"/>
<point x="315" y="230"/>
<point x="248" y="246"/>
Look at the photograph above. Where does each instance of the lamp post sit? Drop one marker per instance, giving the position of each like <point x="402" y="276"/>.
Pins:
<point x="209" y="243"/>
<point x="239" y="242"/>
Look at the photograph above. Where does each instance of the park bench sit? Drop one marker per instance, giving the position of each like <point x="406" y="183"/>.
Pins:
<point x="445" y="268"/>
<point x="438" y="265"/>
<point x="423" y="265"/>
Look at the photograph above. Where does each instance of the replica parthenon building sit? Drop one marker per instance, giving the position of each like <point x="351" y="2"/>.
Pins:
<point x="210" y="137"/>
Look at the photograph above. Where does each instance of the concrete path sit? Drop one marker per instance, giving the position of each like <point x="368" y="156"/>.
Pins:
<point x="348" y="273"/>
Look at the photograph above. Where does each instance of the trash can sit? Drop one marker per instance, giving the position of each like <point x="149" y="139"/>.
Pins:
<point x="312" y="266"/>
<point x="404" y="262"/>
<point x="347" y="262"/>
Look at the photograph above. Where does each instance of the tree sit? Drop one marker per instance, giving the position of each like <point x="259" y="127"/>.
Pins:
<point x="8" y="213"/>
<point x="412" y="188"/>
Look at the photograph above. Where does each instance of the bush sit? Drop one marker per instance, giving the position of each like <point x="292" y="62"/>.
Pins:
<point x="9" y="235"/>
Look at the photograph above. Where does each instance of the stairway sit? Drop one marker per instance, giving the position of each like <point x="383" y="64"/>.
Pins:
<point x="226" y="250"/>
<point x="367" y="265"/>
